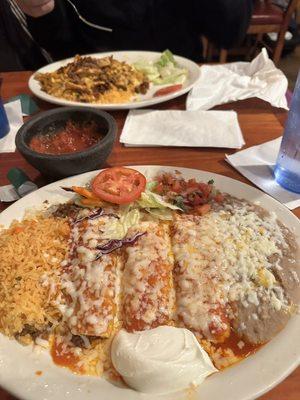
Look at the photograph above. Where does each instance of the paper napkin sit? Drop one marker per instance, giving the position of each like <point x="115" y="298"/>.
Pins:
<point x="256" y="163"/>
<point x="28" y="105"/>
<point x="219" y="84"/>
<point x="15" y="119"/>
<point x="8" y="194"/>
<point x="182" y="128"/>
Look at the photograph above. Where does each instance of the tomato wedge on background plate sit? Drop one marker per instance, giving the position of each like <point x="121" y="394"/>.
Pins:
<point x="167" y="90"/>
<point x="119" y="185"/>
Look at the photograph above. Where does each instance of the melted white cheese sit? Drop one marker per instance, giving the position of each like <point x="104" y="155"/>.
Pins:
<point x="147" y="284"/>
<point x="90" y="284"/>
<point x="224" y="257"/>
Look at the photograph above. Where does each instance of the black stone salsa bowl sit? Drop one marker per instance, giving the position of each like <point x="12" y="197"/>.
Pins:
<point x="68" y="164"/>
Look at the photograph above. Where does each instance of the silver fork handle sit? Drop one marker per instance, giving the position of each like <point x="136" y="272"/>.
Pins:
<point x="101" y="28"/>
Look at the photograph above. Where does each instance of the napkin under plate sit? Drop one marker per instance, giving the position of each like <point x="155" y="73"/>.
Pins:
<point x="257" y="163"/>
<point x="182" y="128"/>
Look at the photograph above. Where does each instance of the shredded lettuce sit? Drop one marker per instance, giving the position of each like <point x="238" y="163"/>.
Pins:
<point x="130" y="215"/>
<point x="163" y="71"/>
<point x="118" y="227"/>
<point x="149" y="199"/>
<point x="166" y="58"/>
<point x="164" y="215"/>
<point x="150" y="70"/>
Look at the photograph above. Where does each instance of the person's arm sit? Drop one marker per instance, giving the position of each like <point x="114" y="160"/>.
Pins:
<point x="224" y="22"/>
<point x="56" y="30"/>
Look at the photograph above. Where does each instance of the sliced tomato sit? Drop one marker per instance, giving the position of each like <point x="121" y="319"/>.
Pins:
<point x="167" y="90"/>
<point x="119" y="185"/>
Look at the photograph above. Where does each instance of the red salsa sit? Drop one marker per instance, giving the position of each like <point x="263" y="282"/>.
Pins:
<point x="189" y="195"/>
<point x="73" y="138"/>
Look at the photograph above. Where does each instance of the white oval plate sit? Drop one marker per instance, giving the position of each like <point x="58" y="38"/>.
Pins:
<point x="243" y="381"/>
<point x="130" y="57"/>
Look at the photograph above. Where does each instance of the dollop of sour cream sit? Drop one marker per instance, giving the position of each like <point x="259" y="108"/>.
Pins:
<point x="161" y="360"/>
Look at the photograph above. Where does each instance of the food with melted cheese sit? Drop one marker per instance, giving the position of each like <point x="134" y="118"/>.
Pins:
<point x="94" y="80"/>
<point x="148" y="284"/>
<point x="221" y="267"/>
<point x="89" y="282"/>
<point x="198" y="276"/>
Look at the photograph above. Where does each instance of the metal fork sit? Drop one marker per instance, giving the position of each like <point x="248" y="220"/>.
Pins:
<point x="101" y="28"/>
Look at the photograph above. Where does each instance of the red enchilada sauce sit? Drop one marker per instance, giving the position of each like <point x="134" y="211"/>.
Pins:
<point x="242" y="351"/>
<point x="63" y="355"/>
<point x="73" y="138"/>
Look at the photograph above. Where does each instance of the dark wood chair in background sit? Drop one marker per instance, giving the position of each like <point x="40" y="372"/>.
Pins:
<point x="266" y="18"/>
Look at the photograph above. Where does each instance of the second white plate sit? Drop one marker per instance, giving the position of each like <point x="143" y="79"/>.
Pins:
<point x="131" y="57"/>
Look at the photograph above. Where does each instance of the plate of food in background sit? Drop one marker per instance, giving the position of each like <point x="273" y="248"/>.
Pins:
<point x="115" y="80"/>
<point x="148" y="282"/>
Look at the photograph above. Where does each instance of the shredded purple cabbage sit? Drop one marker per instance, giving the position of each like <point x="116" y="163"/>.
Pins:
<point x="93" y="215"/>
<point x="96" y="214"/>
<point x="115" y="244"/>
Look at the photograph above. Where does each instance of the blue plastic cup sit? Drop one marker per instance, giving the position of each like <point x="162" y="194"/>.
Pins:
<point x="287" y="169"/>
<point x="4" y="125"/>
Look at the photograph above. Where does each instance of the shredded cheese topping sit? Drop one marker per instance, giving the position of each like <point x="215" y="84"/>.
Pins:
<point x="89" y="284"/>
<point x="225" y="257"/>
<point x="148" y="286"/>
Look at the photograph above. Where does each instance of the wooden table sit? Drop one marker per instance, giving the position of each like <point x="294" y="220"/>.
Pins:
<point x="259" y="122"/>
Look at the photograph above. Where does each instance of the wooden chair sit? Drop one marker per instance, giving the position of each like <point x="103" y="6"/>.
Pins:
<point x="266" y="18"/>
